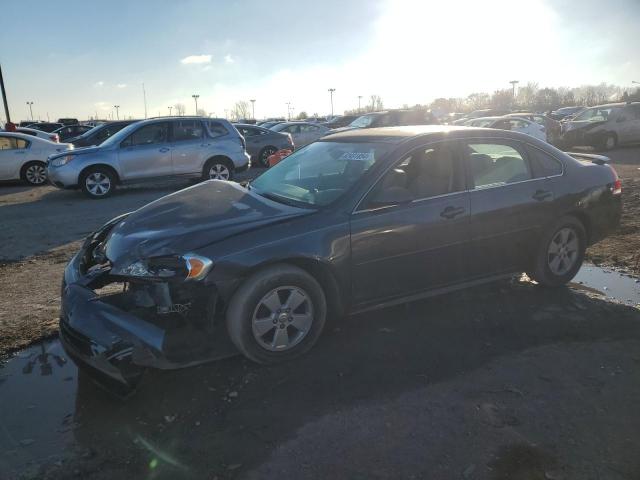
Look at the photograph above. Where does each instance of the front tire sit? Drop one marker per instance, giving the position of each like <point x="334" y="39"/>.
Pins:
<point x="98" y="182"/>
<point x="218" y="169"/>
<point x="277" y="314"/>
<point x="609" y="142"/>
<point x="560" y="254"/>
<point x="265" y="153"/>
<point x="35" y="173"/>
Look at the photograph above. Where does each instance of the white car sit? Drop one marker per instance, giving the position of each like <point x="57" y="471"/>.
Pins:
<point x="515" y="124"/>
<point x="24" y="157"/>
<point x="53" y="137"/>
<point x="303" y="133"/>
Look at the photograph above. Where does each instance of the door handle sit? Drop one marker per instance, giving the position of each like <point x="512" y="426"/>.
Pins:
<point x="541" y="195"/>
<point x="164" y="149"/>
<point x="451" y="212"/>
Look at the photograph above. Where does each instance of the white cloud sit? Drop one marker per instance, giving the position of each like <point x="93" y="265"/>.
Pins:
<point x="99" y="84"/>
<point x="228" y="58"/>
<point x="196" y="59"/>
<point x="122" y="85"/>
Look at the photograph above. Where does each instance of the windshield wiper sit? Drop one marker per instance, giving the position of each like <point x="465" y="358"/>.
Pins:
<point x="284" y="200"/>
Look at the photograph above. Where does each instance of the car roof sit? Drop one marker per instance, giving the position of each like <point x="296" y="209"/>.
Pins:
<point x="397" y="134"/>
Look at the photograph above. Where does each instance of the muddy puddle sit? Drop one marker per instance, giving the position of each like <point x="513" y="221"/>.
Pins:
<point x="39" y="388"/>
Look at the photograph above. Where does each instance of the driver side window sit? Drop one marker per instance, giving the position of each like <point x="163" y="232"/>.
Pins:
<point x="427" y="172"/>
<point x="148" y="135"/>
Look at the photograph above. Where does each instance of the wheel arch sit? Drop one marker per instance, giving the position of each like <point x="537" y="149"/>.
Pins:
<point x="321" y="272"/>
<point x="219" y="157"/>
<point x="23" y="168"/>
<point x="100" y="165"/>
<point x="585" y="220"/>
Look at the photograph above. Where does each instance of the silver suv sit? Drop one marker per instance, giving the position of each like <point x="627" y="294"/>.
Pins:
<point x="209" y="148"/>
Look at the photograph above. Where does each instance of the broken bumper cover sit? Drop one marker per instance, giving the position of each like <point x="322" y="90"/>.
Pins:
<point x="103" y="337"/>
<point x="118" y="345"/>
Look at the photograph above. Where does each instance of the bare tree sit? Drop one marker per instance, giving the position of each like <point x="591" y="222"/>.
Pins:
<point x="201" y="113"/>
<point x="502" y="99"/>
<point x="302" y="115"/>
<point x="180" y="109"/>
<point x="241" y="110"/>
<point x="375" y="104"/>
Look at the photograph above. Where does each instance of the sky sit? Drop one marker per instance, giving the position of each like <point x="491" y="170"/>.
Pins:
<point x="79" y="58"/>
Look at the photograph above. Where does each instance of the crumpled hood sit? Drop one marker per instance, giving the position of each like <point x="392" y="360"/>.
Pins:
<point x="190" y="219"/>
<point x="76" y="150"/>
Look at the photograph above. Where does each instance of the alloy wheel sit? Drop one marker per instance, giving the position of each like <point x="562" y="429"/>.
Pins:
<point x="282" y="318"/>
<point x="219" y="171"/>
<point x="562" y="253"/>
<point x="98" y="184"/>
<point x="266" y="153"/>
<point x="36" y="174"/>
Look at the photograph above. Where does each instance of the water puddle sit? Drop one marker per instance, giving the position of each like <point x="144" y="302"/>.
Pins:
<point x="40" y="398"/>
<point x="37" y="397"/>
<point x="614" y="285"/>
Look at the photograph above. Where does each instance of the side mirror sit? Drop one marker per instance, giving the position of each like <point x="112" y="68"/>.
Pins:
<point x="391" y="196"/>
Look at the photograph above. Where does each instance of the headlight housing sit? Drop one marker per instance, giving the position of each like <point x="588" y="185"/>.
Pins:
<point x="186" y="267"/>
<point x="60" y="161"/>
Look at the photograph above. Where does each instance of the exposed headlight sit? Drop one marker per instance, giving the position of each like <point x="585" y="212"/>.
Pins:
<point x="60" y="161"/>
<point x="186" y="267"/>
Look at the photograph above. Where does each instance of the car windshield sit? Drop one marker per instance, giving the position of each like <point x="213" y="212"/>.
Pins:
<point x="596" y="114"/>
<point x="319" y="174"/>
<point x="363" y="122"/>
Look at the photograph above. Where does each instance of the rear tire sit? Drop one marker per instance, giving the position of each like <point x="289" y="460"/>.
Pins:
<point x="98" y="182"/>
<point x="560" y="254"/>
<point x="277" y="314"/>
<point x="218" y="168"/>
<point x="35" y="173"/>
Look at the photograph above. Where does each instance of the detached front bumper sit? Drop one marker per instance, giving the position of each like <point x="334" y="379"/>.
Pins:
<point x="118" y="345"/>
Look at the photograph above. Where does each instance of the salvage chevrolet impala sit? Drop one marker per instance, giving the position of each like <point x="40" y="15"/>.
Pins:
<point x="359" y="220"/>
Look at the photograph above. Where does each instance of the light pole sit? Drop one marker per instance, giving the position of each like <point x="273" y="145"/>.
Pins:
<point x="195" y="97"/>
<point x="169" y="110"/>
<point x="253" y="108"/>
<point x="30" y="109"/>
<point x="359" y="98"/>
<point x="117" y="107"/>
<point x="513" y="87"/>
<point x="4" y="98"/>
<point x="288" y="111"/>
<point x="331" y="90"/>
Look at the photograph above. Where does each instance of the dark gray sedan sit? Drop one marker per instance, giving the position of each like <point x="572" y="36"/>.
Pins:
<point x="354" y="221"/>
<point x="261" y="142"/>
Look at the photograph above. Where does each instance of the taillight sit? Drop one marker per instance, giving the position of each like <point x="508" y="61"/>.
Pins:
<point x="616" y="188"/>
<point x="54" y="138"/>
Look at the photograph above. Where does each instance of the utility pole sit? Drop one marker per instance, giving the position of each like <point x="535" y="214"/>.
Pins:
<point x="30" y="109"/>
<point x="359" y="98"/>
<point x="169" y="110"/>
<point x="288" y="111"/>
<point x="117" y="107"/>
<point x="195" y="97"/>
<point x="253" y="108"/>
<point x="4" y="98"/>
<point x="144" y="96"/>
<point x="331" y="90"/>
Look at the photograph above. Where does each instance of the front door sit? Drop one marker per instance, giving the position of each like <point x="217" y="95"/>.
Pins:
<point x="188" y="146"/>
<point x="411" y="232"/>
<point x="509" y="206"/>
<point x="146" y="152"/>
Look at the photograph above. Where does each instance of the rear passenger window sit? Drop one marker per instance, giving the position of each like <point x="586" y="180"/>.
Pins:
<point x="543" y="164"/>
<point x="216" y="129"/>
<point x="187" y="130"/>
<point x="496" y="164"/>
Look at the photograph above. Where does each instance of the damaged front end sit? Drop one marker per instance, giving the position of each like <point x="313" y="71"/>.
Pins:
<point x="151" y="313"/>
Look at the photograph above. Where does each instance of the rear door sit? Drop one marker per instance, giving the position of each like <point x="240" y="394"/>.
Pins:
<point x="146" y="153"/>
<point x="411" y="232"/>
<point x="509" y="205"/>
<point x="11" y="157"/>
<point x="187" y="146"/>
